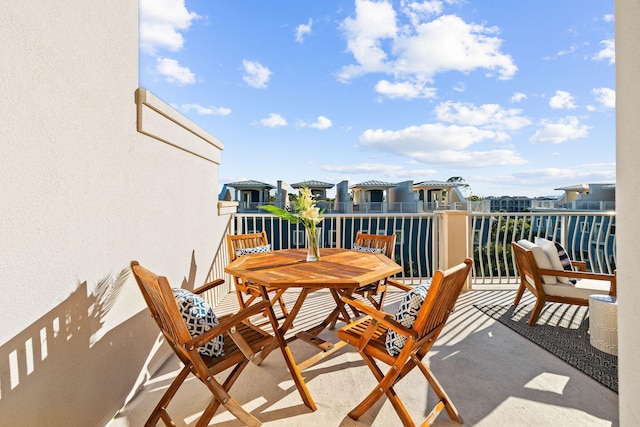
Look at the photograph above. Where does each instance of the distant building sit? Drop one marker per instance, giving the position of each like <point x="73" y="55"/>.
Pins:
<point x="250" y="194"/>
<point x="510" y="204"/>
<point x="581" y="197"/>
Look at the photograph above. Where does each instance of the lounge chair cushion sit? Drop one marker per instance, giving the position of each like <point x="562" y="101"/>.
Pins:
<point x="359" y="248"/>
<point x="199" y="317"/>
<point x="582" y="289"/>
<point x="551" y="250"/>
<point x="541" y="258"/>
<point x="254" y="250"/>
<point x="406" y="315"/>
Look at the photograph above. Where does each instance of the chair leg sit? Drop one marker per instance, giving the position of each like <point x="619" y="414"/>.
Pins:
<point x="160" y="411"/>
<point x="444" y="400"/>
<point x="519" y="294"/>
<point x="385" y="383"/>
<point x="221" y="397"/>
<point x="537" y="309"/>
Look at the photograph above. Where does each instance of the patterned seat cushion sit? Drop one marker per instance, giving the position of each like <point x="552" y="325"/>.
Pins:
<point x="359" y="248"/>
<point x="406" y="315"/>
<point x="199" y="317"/>
<point x="254" y="250"/>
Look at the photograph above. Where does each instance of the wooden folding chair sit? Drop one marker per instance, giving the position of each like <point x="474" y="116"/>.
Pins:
<point x="385" y="245"/>
<point x="243" y="342"/>
<point x="237" y="245"/>
<point x="368" y="336"/>
<point x="377" y="244"/>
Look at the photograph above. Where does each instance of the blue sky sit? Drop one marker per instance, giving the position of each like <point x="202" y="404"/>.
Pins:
<point x="517" y="98"/>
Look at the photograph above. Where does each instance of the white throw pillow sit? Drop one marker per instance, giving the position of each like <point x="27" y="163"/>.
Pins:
<point x="541" y="258"/>
<point x="551" y="250"/>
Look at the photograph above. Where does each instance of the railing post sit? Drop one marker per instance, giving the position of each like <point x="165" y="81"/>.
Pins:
<point x="454" y="240"/>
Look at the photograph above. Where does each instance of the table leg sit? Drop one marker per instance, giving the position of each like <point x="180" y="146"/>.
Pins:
<point x="279" y="333"/>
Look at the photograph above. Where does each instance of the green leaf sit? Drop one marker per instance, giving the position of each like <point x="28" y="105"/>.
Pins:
<point x="281" y="213"/>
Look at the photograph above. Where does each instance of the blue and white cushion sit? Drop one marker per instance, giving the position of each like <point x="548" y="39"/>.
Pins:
<point x="406" y="315"/>
<point x="254" y="250"/>
<point x="199" y="317"/>
<point x="359" y="248"/>
<point x="565" y="261"/>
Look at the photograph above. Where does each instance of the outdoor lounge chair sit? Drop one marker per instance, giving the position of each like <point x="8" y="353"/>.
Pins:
<point x="370" y="336"/>
<point x="549" y="284"/>
<point x="244" y="244"/>
<point x="243" y="342"/>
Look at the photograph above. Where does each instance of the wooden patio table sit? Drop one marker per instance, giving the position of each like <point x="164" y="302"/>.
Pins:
<point x="339" y="270"/>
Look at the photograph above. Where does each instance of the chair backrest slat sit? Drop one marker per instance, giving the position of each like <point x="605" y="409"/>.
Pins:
<point x="441" y="298"/>
<point x="162" y="304"/>
<point x="377" y="241"/>
<point x="244" y="241"/>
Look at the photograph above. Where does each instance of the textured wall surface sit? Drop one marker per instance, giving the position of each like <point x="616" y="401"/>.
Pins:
<point x="82" y="193"/>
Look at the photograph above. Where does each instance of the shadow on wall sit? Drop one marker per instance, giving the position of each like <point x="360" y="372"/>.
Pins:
<point x="59" y="372"/>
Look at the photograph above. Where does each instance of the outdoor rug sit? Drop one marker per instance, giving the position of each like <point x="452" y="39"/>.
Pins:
<point x="562" y="330"/>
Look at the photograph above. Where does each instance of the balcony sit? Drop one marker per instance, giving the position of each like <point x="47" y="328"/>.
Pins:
<point x="493" y="374"/>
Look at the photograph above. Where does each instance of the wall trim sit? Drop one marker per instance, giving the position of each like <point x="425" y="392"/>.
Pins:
<point x="182" y="133"/>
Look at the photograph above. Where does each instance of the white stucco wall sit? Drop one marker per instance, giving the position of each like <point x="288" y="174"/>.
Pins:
<point x="82" y="193"/>
<point x="627" y="16"/>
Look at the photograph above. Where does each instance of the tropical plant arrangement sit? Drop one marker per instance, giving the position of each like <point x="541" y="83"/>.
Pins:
<point x="304" y="212"/>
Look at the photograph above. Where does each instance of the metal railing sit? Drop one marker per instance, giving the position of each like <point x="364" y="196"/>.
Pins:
<point x="586" y="237"/>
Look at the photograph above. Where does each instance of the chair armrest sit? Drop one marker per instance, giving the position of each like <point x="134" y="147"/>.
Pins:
<point x="227" y="323"/>
<point x="209" y="285"/>
<point x="399" y="285"/>
<point x="385" y="319"/>
<point x="613" y="290"/>
<point x="580" y="265"/>
<point x="578" y="274"/>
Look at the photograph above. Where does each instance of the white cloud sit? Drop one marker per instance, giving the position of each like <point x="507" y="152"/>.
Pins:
<point x="173" y="72"/>
<point x="602" y="172"/>
<point x="542" y="181"/>
<point x="160" y="24"/>
<point x="302" y="30"/>
<point x="416" y="52"/>
<point x="406" y="90"/>
<point x="379" y="169"/>
<point x="274" y="120"/>
<point x="562" y="99"/>
<point x="562" y="130"/>
<point x="322" y="123"/>
<point x="488" y="116"/>
<point x="608" y="52"/>
<point x="605" y="96"/>
<point x="205" y="111"/>
<point x="440" y="144"/>
<point x="518" y="96"/>
<point x="374" y="21"/>
<point x="417" y="12"/>
<point x="608" y="18"/>
<point x="255" y="74"/>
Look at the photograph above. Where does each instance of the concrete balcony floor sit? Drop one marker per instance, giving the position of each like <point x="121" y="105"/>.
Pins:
<point x="494" y="376"/>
